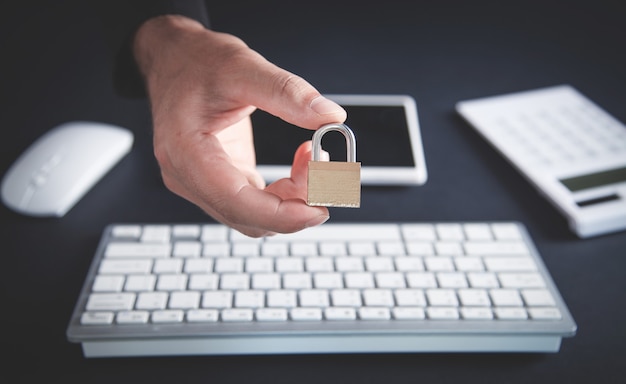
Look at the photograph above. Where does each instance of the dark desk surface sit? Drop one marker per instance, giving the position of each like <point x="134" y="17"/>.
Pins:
<point x="54" y="69"/>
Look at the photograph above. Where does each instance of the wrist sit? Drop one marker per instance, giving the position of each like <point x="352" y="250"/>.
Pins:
<point x="153" y="36"/>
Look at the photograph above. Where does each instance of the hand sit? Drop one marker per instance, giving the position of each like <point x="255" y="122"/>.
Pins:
<point x="203" y="86"/>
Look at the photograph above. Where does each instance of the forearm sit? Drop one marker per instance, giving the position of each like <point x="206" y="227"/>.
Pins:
<point x="121" y="20"/>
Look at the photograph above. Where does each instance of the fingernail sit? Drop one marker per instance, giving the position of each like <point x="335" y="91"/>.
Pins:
<point x="321" y="219"/>
<point x="324" y="106"/>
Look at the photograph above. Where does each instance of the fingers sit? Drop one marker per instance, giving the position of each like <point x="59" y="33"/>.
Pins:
<point x="281" y="207"/>
<point x="289" y="97"/>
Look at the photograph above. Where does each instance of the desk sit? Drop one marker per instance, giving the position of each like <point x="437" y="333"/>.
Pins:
<point x="54" y="70"/>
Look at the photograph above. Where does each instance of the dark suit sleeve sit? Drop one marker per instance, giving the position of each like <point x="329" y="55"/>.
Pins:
<point x="121" y="21"/>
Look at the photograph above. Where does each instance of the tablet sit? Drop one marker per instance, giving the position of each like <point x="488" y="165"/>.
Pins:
<point x="389" y="144"/>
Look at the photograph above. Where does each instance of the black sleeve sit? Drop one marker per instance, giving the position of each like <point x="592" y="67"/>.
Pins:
<point x="122" y="19"/>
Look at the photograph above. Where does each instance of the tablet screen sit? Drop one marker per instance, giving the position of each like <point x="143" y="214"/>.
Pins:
<point x="381" y="132"/>
<point x="387" y="141"/>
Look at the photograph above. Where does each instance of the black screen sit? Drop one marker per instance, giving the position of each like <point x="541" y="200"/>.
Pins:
<point x="381" y="133"/>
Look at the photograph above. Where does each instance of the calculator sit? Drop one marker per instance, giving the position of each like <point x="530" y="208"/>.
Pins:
<point x="568" y="147"/>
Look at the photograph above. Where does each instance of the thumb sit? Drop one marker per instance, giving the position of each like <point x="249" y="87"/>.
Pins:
<point x="291" y="98"/>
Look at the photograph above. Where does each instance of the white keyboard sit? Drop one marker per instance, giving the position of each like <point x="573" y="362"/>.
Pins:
<point x="569" y="148"/>
<point x="191" y="289"/>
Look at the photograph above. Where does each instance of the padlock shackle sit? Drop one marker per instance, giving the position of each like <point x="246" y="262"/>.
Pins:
<point x="347" y="133"/>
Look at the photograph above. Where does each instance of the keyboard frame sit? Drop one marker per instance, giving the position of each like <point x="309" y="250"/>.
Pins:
<point x="325" y="336"/>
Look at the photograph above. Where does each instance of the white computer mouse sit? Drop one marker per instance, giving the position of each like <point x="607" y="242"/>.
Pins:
<point x="60" y="167"/>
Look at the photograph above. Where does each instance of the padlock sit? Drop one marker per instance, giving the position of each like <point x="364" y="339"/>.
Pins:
<point x="334" y="183"/>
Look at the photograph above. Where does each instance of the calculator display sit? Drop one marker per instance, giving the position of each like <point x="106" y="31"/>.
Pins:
<point x="593" y="180"/>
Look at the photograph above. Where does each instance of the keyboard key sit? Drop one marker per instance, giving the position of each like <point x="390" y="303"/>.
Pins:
<point x="506" y="231"/>
<point x="132" y="317"/>
<point x="372" y="313"/>
<point x="407" y="264"/>
<point x="419" y="232"/>
<point x="110" y="301"/>
<point x="214" y="233"/>
<point x="509" y="264"/>
<point x="349" y="264"/>
<point x="193" y="266"/>
<point x="391" y="248"/>
<point x="249" y="299"/>
<point x="110" y="283"/>
<point x="304" y="249"/>
<point x="339" y="313"/>
<point x="474" y="297"/>
<point x="271" y="314"/>
<point x="442" y="297"/>
<point x="235" y="281"/>
<point x="138" y="283"/>
<point x="266" y="281"/>
<point x="171" y="282"/>
<point x="319" y="264"/>
<point x="390" y="280"/>
<point x="437" y="264"/>
<point x="332" y="280"/>
<point x="469" y="264"/>
<point x="359" y="280"/>
<point x="378" y="264"/>
<point x="449" y="231"/>
<point x="230" y="265"/>
<point x="97" y="318"/>
<point x="289" y="264"/>
<point x="168" y="316"/>
<point x="521" y="280"/>
<point x="151" y="300"/>
<point x="167" y="266"/>
<point x="230" y="315"/>
<point x="410" y="297"/>
<point x="476" y="313"/>
<point x="203" y="281"/>
<point x="483" y="280"/>
<point x="184" y="300"/>
<point x="378" y="298"/>
<point x="217" y="299"/>
<point x="506" y="297"/>
<point x="512" y="313"/>
<point x="125" y="266"/>
<point x="282" y="298"/>
<point x="156" y="234"/>
<point x="297" y="281"/>
<point x="504" y="248"/>
<point x="216" y="250"/>
<point x="451" y="280"/>
<point x="202" y="315"/>
<point x="256" y="264"/>
<point x="137" y="250"/>
<point x="538" y="298"/>
<point x="128" y="231"/>
<point x="409" y="313"/>
<point x="544" y="313"/>
<point x="421" y="280"/>
<point x="477" y="231"/>
<point x="442" y="313"/>
<point x="314" y="298"/>
<point x="187" y="249"/>
<point x="346" y="297"/>
<point x="306" y="314"/>
<point x="186" y="231"/>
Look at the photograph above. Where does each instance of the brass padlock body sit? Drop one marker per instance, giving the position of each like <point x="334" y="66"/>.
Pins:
<point x="333" y="183"/>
